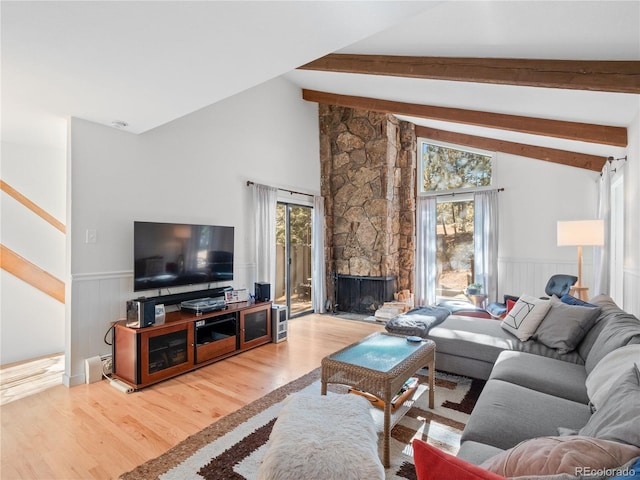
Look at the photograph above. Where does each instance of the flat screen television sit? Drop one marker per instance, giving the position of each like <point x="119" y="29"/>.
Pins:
<point x="172" y="254"/>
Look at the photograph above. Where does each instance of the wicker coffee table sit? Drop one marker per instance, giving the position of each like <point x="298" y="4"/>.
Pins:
<point x="380" y="364"/>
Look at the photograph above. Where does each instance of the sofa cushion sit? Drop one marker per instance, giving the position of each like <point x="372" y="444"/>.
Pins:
<point x="614" y="328"/>
<point x="434" y="464"/>
<point x="525" y="316"/>
<point x="606" y="373"/>
<point x="477" y="338"/>
<point x="618" y="418"/>
<point x="484" y="339"/>
<point x="554" y="455"/>
<point x="506" y="414"/>
<point x="543" y="374"/>
<point x="564" y="326"/>
<point x="476" y="453"/>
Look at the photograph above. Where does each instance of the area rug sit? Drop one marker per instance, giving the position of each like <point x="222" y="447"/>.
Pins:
<point x="232" y="447"/>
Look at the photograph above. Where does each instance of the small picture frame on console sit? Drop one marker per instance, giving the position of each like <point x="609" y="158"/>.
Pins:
<point x="235" y="296"/>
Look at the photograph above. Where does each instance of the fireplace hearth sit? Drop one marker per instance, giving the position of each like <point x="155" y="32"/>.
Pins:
<point x="358" y="294"/>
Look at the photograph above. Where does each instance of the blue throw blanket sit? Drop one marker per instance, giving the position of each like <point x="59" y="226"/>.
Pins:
<point x="418" y="321"/>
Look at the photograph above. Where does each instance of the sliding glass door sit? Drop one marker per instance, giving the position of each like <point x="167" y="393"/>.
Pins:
<point x="293" y="257"/>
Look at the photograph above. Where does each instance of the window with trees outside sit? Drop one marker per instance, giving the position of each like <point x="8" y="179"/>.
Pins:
<point x="453" y="174"/>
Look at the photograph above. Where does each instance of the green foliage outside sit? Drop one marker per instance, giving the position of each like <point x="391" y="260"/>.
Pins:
<point x="455" y="235"/>
<point x="299" y="225"/>
<point x="450" y="169"/>
<point x="447" y="169"/>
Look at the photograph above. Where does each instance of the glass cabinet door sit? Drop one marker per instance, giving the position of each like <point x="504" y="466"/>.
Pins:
<point x="255" y="326"/>
<point x="167" y="351"/>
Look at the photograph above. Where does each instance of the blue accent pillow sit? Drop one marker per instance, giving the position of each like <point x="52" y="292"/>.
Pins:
<point x="569" y="300"/>
<point x="632" y="474"/>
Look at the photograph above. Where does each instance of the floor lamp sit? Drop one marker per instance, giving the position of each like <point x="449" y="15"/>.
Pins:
<point x="580" y="233"/>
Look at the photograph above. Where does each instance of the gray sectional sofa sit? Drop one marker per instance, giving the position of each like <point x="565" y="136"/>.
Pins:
<point x="535" y="391"/>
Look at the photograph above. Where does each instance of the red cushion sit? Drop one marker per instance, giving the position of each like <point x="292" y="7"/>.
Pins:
<point x="434" y="464"/>
<point x="510" y="305"/>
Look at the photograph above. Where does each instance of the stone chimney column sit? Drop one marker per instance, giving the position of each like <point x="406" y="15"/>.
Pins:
<point x="368" y="163"/>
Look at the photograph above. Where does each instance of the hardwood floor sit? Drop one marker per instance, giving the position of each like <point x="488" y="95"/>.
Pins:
<point x="97" y="432"/>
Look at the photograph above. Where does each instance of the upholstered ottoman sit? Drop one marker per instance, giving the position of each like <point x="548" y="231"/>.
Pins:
<point x="329" y="437"/>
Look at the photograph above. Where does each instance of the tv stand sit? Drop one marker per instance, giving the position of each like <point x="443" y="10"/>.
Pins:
<point x="186" y="341"/>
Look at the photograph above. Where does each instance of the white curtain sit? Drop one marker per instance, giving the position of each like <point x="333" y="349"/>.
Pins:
<point x="602" y="255"/>
<point x="425" y="261"/>
<point x="485" y="240"/>
<point x="264" y="205"/>
<point x="317" y="254"/>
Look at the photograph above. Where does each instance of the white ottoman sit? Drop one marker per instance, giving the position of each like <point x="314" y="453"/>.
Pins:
<point x="329" y="437"/>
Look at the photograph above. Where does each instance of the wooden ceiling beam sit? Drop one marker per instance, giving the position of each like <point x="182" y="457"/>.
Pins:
<point x="594" y="75"/>
<point x="563" y="157"/>
<point x="584" y="132"/>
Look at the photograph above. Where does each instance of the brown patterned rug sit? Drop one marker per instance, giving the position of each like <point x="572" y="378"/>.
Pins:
<point x="232" y="447"/>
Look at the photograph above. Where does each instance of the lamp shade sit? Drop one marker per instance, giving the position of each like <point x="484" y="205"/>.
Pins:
<point x="580" y="233"/>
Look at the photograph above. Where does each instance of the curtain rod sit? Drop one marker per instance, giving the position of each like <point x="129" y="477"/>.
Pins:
<point x="453" y="194"/>
<point x="292" y="192"/>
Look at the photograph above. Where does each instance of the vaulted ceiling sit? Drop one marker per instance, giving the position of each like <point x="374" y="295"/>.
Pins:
<point x="150" y="62"/>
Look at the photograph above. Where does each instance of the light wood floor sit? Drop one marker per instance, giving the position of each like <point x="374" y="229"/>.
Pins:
<point x="97" y="432"/>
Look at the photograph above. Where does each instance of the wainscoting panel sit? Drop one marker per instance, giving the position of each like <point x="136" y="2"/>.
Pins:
<point x="98" y="300"/>
<point x="521" y="275"/>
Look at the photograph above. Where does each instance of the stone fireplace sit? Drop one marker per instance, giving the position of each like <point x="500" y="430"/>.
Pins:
<point x="368" y="176"/>
<point x="359" y="294"/>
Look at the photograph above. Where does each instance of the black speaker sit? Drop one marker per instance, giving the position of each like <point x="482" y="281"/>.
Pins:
<point x="263" y="292"/>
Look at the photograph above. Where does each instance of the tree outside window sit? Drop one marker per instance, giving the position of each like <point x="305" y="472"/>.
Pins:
<point x="445" y="169"/>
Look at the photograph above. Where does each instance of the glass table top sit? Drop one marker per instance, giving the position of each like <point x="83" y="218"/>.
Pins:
<point x="379" y="352"/>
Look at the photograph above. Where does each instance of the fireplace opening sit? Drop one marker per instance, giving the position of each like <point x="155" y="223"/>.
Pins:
<point x="358" y="294"/>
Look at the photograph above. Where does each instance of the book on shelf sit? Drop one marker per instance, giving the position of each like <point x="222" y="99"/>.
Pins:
<point x="405" y="393"/>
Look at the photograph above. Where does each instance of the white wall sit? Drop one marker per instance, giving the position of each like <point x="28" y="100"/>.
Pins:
<point x="537" y="194"/>
<point x="194" y="169"/>
<point x="39" y="173"/>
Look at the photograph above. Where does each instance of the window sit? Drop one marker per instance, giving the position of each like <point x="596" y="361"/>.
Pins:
<point x="445" y="168"/>
<point x="454" y="243"/>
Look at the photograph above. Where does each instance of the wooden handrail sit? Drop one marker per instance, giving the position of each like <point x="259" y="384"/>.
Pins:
<point x="31" y="274"/>
<point x="46" y="216"/>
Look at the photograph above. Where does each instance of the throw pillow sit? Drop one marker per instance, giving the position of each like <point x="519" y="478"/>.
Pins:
<point x="630" y="473"/>
<point x="618" y="418"/>
<point x="510" y="305"/>
<point x="569" y="300"/>
<point x="524" y="318"/>
<point x="434" y="464"/>
<point x="555" y="455"/>
<point x="565" y="326"/>
<point x="605" y="375"/>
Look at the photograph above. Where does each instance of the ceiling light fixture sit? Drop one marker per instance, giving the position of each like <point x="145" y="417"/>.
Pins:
<point x="119" y="124"/>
